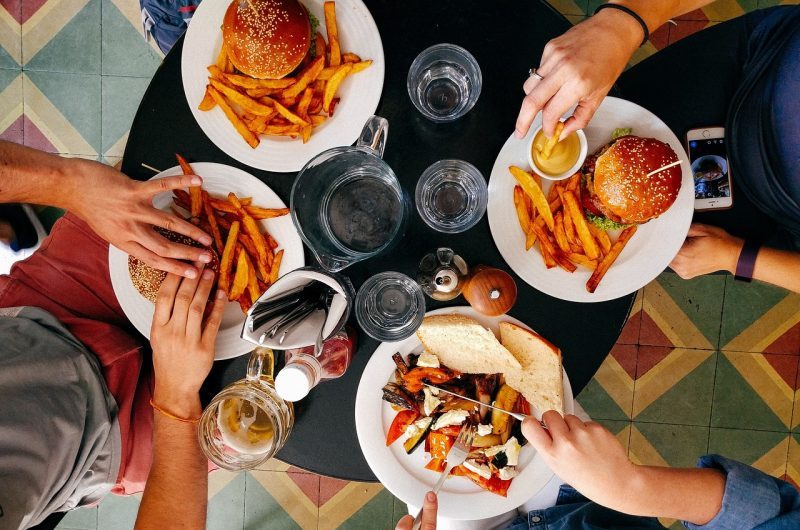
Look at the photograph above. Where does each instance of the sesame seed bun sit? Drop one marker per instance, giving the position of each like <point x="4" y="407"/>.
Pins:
<point x="266" y="39"/>
<point x="621" y="183"/>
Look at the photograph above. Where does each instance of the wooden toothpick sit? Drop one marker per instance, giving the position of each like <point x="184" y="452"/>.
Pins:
<point x="151" y="168"/>
<point x="662" y="168"/>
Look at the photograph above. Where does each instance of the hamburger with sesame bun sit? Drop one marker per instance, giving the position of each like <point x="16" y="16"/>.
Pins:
<point x="147" y="280"/>
<point x="615" y="188"/>
<point x="266" y="39"/>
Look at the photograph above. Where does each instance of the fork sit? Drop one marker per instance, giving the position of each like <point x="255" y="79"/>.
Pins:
<point x="455" y="457"/>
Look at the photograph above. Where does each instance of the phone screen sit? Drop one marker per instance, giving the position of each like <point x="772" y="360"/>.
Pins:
<point x="710" y="168"/>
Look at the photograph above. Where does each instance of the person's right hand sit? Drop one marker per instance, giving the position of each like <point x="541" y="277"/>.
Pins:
<point x="579" y="67"/>
<point x="585" y="455"/>
<point x="429" y="507"/>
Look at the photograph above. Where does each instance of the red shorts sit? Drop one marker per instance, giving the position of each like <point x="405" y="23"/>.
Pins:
<point x="68" y="277"/>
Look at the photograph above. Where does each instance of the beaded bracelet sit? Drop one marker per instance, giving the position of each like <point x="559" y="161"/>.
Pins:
<point x="172" y="416"/>
<point x="630" y="12"/>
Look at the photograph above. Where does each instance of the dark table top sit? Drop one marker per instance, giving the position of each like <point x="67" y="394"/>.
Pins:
<point x="507" y="38"/>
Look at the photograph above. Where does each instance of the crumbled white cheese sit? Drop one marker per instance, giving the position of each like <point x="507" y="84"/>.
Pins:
<point x="428" y="360"/>
<point x="417" y="427"/>
<point x="451" y="417"/>
<point x="431" y="402"/>
<point x="484" y="430"/>
<point x="512" y="451"/>
<point x="479" y="469"/>
<point x="507" y="473"/>
<point x="493" y="450"/>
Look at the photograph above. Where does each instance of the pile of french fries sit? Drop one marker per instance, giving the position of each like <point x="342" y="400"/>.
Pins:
<point x="250" y="260"/>
<point x="291" y="106"/>
<point x="558" y="223"/>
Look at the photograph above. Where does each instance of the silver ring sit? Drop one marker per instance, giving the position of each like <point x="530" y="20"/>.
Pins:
<point x="533" y="73"/>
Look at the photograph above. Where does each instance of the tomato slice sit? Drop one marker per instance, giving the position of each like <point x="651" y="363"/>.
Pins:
<point x="522" y="406"/>
<point x="495" y="484"/>
<point x="436" y="464"/>
<point x="403" y="419"/>
<point x="450" y="430"/>
<point x="413" y="379"/>
<point x="440" y="445"/>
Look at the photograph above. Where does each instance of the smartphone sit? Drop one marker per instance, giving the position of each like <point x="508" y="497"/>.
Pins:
<point x="708" y="156"/>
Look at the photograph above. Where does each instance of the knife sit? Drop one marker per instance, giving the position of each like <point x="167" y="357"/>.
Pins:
<point x="516" y="415"/>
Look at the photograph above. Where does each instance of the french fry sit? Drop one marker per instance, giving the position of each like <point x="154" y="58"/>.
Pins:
<point x="252" y="281"/>
<point x="306" y="77"/>
<point x="251" y="139"/>
<point x="328" y="71"/>
<point x="258" y="213"/>
<point x="305" y="101"/>
<point x="217" y="73"/>
<point x="360" y="66"/>
<point x="250" y="82"/>
<point x="574" y="181"/>
<point x="207" y="102"/>
<point x="257" y="93"/>
<point x="530" y="239"/>
<point x="317" y="120"/>
<point x="581" y="225"/>
<point x="551" y="142"/>
<point x="195" y="192"/>
<point x="561" y="236"/>
<point x="283" y="130"/>
<point x="601" y="237"/>
<point x="569" y="226"/>
<point x="580" y="259"/>
<point x="245" y="303"/>
<point x="315" y="107"/>
<point x="549" y="262"/>
<point x="610" y="258"/>
<point x="226" y="262"/>
<point x="522" y="211"/>
<point x="222" y="57"/>
<point x="270" y="241"/>
<point x="246" y="102"/>
<point x="350" y="58"/>
<point x="333" y="85"/>
<point x="305" y="132"/>
<point x="276" y="266"/>
<point x="530" y="187"/>
<point x="251" y="228"/>
<point x="249" y="247"/>
<point x="333" y="33"/>
<point x="289" y="115"/>
<point x="212" y="221"/>
<point x="240" y="278"/>
<point x="319" y="45"/>
<point x="332" y="106"/>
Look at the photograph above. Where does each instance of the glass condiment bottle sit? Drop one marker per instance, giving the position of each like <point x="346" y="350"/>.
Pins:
<point x="442" y="274"/>
<point x="303" y="370"/>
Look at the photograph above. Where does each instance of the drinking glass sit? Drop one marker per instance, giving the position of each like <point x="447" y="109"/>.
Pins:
<point x="444" y="82"/>
<point x="451" y="196"/>
<point x="390" y="306"/>
<point x="246" y="423"/>
<point x="347" y="203"/>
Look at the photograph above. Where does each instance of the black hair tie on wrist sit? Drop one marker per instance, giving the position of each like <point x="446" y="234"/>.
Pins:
<point x="632" y="13"/>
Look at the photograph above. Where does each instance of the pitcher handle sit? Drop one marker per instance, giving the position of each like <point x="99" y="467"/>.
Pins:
<point x="260" y="365"/>
<point x="373" y="135"/>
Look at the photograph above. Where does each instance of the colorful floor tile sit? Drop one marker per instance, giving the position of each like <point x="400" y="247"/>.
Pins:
<point x="707" y="365"/>
<point x="10" y="33"/>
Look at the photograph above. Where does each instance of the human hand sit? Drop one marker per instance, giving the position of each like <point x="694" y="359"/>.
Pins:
<point x="183" y="345"/>
<point x="120" y="210"/>
<point x="584" y="455"/>
<point x="579" y="67"/>
<point x="707" y="249"/>
<point x="429" y="507"/>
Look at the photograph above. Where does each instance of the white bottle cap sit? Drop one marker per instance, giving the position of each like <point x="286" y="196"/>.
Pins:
<point x="294" y="382"/>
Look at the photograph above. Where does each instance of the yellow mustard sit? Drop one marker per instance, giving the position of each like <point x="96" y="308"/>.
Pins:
<point x="563" y="157"/>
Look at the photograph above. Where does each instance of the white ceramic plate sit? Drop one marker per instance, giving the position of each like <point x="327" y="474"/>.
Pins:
<point x="359" y="93"/>
<point x="645" y="256"/>
<point x="218" y="180"/>
<point x="405" y="475"/>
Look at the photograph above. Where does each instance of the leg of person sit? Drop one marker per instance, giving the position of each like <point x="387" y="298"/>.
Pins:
<point x="690" y="84"/>
<point x="68" y="277"/>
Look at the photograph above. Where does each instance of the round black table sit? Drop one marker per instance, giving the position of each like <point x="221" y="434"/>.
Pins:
<point x="507" y="38"/>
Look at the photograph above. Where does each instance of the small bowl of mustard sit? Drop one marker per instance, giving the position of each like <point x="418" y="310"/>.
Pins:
<point x="565" y="158"/>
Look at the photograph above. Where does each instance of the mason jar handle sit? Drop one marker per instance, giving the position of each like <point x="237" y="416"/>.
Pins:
<point x="260" y="364"/>
<point x="373" y="135"/>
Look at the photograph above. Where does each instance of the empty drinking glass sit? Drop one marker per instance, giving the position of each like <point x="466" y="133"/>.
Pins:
<point x="451" y="196"/>
<point x="444" y="82"/>
<point x="390" y="306"/>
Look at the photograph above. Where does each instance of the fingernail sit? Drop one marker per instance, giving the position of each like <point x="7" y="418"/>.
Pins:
<point x="196" y="181"/>
<point x="518" y="134"/>
<point x="430" y="497"/>
<point x="221" y="294"/>
<point x="207" y="274"/>
<point x="205" y="258"/>
<point x="205" y="240"/>
<point x="190" y="273"/>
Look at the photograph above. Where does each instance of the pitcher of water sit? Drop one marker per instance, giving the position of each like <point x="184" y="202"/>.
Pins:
<point x="347" y="203"/>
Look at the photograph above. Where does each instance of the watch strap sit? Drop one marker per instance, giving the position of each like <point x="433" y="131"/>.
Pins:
<point x="747" y="260"/>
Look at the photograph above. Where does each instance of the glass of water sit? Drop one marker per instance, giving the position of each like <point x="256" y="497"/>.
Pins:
<point x="390" y="306"/>
<point x="444" y="82"/>
<point x="451" y="196"/>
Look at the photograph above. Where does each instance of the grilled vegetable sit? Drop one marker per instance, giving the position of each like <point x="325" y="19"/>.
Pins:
<point x="414" y="441"/>
<point x="403" y="419"/>
<point x="397" y="395"/>
<point x="402" y="367"/>
<point x="485" y="387"/>
<point x="502" y="423"/>
<point x="489" y="440"/>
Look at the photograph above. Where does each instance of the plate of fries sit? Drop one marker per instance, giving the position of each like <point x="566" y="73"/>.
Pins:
<point x="254" y="239"/>
<point x="278" y="125"/>
<point x="542" y="232"/>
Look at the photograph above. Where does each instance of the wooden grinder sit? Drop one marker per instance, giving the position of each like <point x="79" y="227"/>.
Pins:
<point x="490" y="291"/>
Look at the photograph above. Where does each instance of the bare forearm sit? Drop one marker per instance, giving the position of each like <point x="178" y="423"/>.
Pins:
<point x="778" y="267"/>
<point x="31" y="176"/>
<point x="655" y="13"/>
<point x="177" y="487"/>
<point x="693" y="495"/>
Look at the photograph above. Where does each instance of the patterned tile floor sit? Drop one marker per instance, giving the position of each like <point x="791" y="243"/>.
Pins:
<point x="707" y="365"/>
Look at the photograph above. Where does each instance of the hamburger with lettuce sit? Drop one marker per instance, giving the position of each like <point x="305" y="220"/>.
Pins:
<point x="617" y="189"/>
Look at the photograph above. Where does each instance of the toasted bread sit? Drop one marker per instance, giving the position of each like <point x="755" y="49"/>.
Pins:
<point x="462" y="344"/>
<point x="540" y="378"/>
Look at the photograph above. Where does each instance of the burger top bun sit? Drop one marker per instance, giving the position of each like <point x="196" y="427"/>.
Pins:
<point x="622" y="184"/>
<point x="266" y="39"/>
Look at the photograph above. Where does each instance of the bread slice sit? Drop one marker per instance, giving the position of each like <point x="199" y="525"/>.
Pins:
<point x="540" y="379"/>
<point x="462" y="344"/>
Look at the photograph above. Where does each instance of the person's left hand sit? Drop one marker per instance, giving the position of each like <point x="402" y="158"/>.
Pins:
<point x="183" y="345"/>
<point x="706" y="249"/>
<point x="429" y="507"/>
